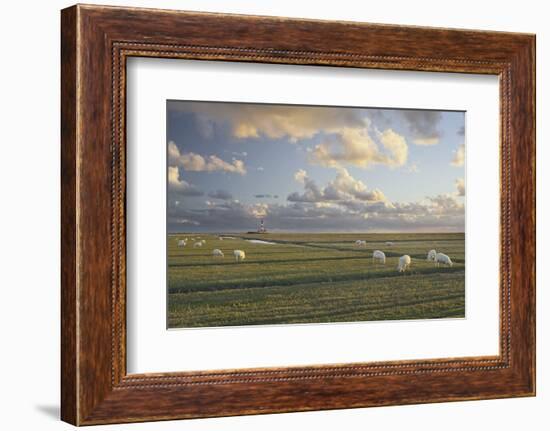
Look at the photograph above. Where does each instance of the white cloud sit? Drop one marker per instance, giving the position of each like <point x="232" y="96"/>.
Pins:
<point x="397" y="147"/>
<point x="426" y="141"/>
<point x="355" y="146"/>
<point x="460" y="187"/>
<point x="300" y="176"/>
<point x="274" y="121"/>
<point x="343" y="188"/>
<point x="434" y="214"/>
<point x="258" y="210"/>
<point x="459" y="155"/>
<point x="345" y="131"/>
<point x="413" y="168"/>
<point x="197" y="163"/>
<point x="179" y="186"/>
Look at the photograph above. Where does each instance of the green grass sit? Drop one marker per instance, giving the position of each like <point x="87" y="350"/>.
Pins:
<point x="311" y="278"/>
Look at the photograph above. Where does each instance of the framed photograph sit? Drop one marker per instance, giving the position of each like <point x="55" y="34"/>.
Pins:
<point x="265" y="215"/>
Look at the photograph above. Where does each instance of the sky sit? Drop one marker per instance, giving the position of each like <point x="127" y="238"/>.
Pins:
<point x="313" y="168"/>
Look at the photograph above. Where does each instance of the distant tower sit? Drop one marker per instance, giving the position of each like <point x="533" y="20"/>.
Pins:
<point x="262" y="229"/>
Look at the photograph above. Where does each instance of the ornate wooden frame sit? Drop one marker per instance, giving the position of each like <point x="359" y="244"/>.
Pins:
<point x="95" y="43"/>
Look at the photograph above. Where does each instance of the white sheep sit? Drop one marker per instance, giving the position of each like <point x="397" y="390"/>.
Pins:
<point x="404" y="263"/>
<point x="431" y="255"/>
<point x="197" y="244"/>
<point x="389" y="243"/>
<point x="444" y="259"/>
<point x="239" y="255"/>
<point x="182" y="243"/>
<point x="217" y="253"/>
<point x="378" y="255"/>
<point x="220" y="238"/>
<point x="361" y="243"/>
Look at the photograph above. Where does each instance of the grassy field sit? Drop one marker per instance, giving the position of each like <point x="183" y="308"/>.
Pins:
<point x="307" y="278"/>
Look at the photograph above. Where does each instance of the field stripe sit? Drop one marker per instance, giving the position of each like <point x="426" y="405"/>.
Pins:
<point x="291" y="281"/>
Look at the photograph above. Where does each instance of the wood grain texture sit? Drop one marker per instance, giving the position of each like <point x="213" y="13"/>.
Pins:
<point x="69" y="366"/>
<point x="96" y="41"/>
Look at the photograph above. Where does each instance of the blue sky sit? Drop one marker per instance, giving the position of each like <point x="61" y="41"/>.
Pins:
<point x="310" y="168"/>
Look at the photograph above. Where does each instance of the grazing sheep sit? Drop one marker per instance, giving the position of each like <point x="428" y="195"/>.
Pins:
<point x="220" y="238"/>
<point x="404" y="263"/>
<point x="239" y="255"/>
<point x="444" y="259"/>
<point x="378" y="255"/>
<point x="361" y="243"/>
<point x="389" y="243"/>
<point x="197" y="244"/>
<point x="217" y="253"/>
<point x="182" y="243"/>
<point x="431" y="255"/>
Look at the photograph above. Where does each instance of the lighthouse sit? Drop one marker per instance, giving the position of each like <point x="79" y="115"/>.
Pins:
<point x="261" y="228"/>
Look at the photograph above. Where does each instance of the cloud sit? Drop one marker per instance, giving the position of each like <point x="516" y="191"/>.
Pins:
<point x="221" y="194"/>
<point x="343" y="188"/>
<point x="274" y="121"/>
<point x="423" y="125"/>
<point x="413" y="168"/>
<point x="356" y="147"/>
<point x="460" y="187"/>
<point x="312" y="192"/>
<point x="459" y="155"/>
<point x="266" y="196"/>
<point x="440" y="213"/>
<point x="300" y="176"/>
<point x="461" y="131"/>
<point x="345" y="132"/>
<point x="239" y="154"/>
<point x="260" y="168"/>
<point x="197" y="163"/>
<point x="343" y="204"/>
<point x="179" y="186"/>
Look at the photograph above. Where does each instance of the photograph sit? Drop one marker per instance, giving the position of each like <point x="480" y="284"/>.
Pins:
<point x="291" y="214"/>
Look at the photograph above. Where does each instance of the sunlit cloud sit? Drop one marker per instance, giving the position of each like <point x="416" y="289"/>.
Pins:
<point x="196" y="163"/>
<point x="343" y="188"/>
<point x="459" y="155"/>
<point x="180" y="186"/>
<point x="460" y="187"/>
<point x="357" y="147"/>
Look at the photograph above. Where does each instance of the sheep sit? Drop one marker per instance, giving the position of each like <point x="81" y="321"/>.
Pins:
<point x="361" y="243"/>
<point x="239" y="255"/>
<point x="378" y="255"/>
<point x="444" y="259"/>
<point x="220" y="238"/>
<point x="404" y="263"/>
<point x="217" y="253"/>
<point x="389" y="243"/>
<point x="431" y="255"/>
<point x="197" y="244"/>
<point x="182" y="243"/>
